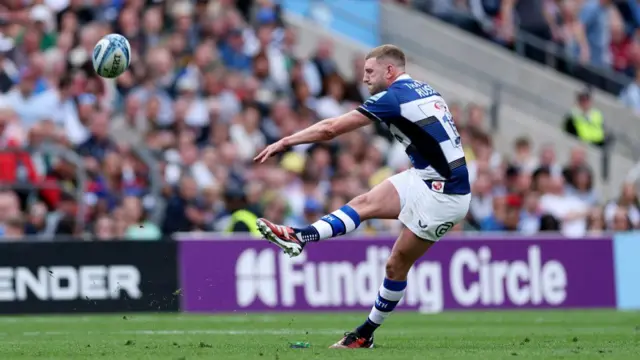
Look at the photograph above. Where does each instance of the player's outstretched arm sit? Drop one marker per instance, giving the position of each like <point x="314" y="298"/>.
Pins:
<point x="321" y="131"/>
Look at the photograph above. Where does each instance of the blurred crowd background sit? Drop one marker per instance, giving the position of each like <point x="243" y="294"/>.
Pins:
<point x="593" y="40"/>
<point x="168" y="146"/>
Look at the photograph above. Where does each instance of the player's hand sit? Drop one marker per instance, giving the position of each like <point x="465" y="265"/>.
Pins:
<point x="269" y="151"/>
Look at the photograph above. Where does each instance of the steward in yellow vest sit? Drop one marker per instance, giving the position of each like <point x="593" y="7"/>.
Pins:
<point x="242" y="219"/>
<point x="586" y="122"/>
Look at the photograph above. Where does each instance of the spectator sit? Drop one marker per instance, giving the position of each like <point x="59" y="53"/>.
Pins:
<point x="99" y="143"/>
<point x="549" y="223"/>
<point x="9" y="208"/>
<point x="482" y="200"/>
<point x="184" y="212"/>
<point x="577" y="161"/>
<point x="621" y="47"/>
<point x="62" y="220"/>
<point x="242" y="218"/>
<point x="595" y="222"/>
<point x="37" y="220"/>
<point x="628" y="201"/>
<point x="14" y="228"/>
<point x="581" y="186"/>
<point x="531" y="215"/>
<point x="139" y="226"/>
<point x="585" y="121"/>
<point x="523" y="157"/>
<point x="208" y="89"/>
<point x="232" y="52"/>
<point x="548" y="160"/>
<point x="332" y="105"/>
<point x="571" y="32"/>
<point x="246" y="135"/>
<point x="528" y="16"/>
<point x="356" y="90"/>
<point x="569" y="210"/>
<point x="495" y="221"/>
<point x="105" y="228"/>
<point x="323" y="61"/>
<point x="595" y="15"/>
<point x="621" y="221"/>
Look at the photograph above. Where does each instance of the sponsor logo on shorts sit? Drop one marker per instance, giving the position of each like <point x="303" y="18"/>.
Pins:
<point x="439" y="105"/>
<point x="421" y="225"/>
<point x="443" y="228"/>
<point x="437" y="186"/>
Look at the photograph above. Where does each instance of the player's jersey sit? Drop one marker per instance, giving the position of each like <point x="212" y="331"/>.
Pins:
<point x="419" y="118"/>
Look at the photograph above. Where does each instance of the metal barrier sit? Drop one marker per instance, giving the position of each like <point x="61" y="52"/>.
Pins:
<point x="68" y="155"/>
<point x="604" y="79"/>
<point x="142" y="153"/>
<point x="155" y="179"/>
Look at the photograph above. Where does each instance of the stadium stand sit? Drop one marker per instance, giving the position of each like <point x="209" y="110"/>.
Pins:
<point x="526" y="85"/>
<point x="591" y="40"/>
<point x="168" y="146"/>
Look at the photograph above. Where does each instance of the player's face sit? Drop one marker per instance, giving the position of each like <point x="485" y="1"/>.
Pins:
<point x="376" y="75"/>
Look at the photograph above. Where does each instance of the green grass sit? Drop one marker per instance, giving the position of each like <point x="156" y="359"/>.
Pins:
<point x="460" y="335"/>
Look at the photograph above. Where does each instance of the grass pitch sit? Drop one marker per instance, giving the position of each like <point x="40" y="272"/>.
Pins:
<point x="462" y="335"/>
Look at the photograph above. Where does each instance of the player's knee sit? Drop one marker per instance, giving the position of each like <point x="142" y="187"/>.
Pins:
<point x="361" y="203"/>
<point x="397" y="267"/>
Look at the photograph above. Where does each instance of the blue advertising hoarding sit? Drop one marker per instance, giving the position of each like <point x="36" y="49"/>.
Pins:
<point x="356" y="19"/>
<point x="626" y="251"/>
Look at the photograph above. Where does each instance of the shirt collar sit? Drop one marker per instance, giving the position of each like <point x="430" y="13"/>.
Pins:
<point x="402" y="77"/>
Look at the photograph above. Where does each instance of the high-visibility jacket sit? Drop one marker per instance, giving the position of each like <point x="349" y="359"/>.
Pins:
<point x="246" y="217"/>
<point x="589" y="127"/>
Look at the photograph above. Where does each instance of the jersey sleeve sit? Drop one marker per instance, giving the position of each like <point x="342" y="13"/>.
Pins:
<point x="381" y="107"/>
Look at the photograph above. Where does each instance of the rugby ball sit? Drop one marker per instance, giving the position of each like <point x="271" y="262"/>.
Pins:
<point x="111" y="56"/>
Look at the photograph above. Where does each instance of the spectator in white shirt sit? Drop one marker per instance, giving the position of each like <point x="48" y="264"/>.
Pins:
<point x="332" y="104"/>
<point x="246" y="134"/>
<point x="568" y="209"/>
<point x="31" y="107"/>
<point x="197" y="115"/>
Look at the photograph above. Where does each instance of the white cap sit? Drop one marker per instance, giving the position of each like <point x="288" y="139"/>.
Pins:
<point x="42" y="13"/>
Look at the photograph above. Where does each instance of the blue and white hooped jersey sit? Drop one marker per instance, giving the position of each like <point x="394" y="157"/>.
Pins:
<point x="419" y="118"/>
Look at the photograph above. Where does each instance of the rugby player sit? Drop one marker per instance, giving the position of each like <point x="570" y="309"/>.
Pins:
<point x="428" y="199"/>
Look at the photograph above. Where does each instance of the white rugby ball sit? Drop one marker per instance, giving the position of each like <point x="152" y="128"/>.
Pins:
<point x="111" y="56"/>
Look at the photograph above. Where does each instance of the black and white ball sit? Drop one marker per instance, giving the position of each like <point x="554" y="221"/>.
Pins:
<point x="111" y="56"/>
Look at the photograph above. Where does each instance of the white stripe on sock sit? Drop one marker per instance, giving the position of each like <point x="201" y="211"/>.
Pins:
<point x="348" y="222"/>
<point x="390" y="295"/>
<point x="324" y="229"/>
<point x="377" y="316"/>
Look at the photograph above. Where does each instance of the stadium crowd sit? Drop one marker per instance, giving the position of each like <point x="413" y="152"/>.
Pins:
<point x="587" y="34"/>
<point x="211" y="83"/>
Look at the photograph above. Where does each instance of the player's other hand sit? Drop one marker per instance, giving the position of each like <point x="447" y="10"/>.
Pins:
<point x="269" y="151"/>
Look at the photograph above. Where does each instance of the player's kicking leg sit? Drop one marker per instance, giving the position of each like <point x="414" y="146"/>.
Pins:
<point x="382" y="202"/>
<point x="426" y="214"/>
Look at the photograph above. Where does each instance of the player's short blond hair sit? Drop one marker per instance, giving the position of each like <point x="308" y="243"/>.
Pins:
<point x="387" y="51"/>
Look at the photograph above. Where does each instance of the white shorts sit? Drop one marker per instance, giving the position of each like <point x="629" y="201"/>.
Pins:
<point x="427" y="213"/>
